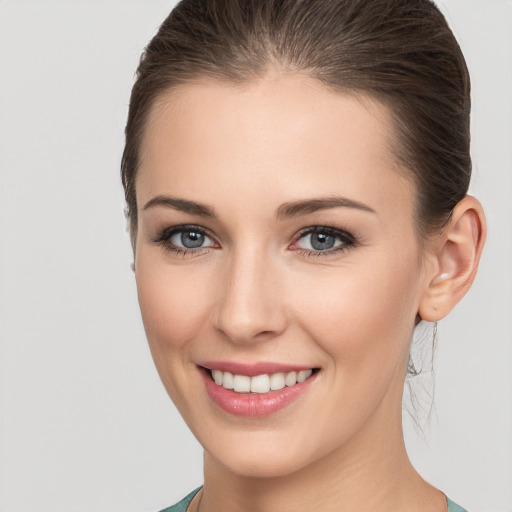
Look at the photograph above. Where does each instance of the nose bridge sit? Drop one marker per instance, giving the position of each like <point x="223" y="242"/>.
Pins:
<point x="249" y="307"/>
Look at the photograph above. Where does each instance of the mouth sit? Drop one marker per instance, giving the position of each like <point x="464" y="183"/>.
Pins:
<point x="248" y="391"/>
<point x="260" y="384"/>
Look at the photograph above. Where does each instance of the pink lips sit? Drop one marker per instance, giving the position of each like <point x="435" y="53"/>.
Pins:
<point x="252" y="404"/>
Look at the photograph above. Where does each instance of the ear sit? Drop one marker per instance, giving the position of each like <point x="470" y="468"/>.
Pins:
<point x="456" y="254"/>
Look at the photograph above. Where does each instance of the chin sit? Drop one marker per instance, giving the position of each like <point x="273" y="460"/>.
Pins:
<point x="260" y="454"/>
<point x="258" y="466"/>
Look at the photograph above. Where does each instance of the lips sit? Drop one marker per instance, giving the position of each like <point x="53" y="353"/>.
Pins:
<point x="255" y="390"/>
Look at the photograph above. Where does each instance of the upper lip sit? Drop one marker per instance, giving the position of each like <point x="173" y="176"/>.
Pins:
<point x="253" y="369"/>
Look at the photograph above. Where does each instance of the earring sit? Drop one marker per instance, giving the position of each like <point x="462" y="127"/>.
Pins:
<point x="434" y="343"/>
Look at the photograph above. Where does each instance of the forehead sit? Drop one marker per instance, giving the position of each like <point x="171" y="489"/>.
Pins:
<point x="283" y="135"/>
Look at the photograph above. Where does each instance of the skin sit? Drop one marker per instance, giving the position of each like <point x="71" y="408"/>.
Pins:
<point x="254" y="294"/>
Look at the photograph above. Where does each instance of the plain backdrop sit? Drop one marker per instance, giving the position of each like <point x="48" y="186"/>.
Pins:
<point x="85" y="425"/>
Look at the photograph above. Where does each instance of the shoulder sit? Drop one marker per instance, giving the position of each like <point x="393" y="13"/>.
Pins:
<point x="184" y="503"/>
<point x="453" y="507"/>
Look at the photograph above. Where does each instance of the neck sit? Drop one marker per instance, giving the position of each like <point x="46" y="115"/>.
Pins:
<point x="370" y="472"/>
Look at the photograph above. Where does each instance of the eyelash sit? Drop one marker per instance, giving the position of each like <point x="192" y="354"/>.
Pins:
<point x="164" y="237"/>
<point x="348" y="241"/>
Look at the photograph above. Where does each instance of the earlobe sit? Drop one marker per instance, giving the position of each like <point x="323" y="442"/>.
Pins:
<point x="457" y="254"/>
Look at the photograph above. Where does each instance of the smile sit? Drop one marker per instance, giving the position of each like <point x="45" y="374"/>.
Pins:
<point x="260" y="383"/>
<point x="249" y="391"/>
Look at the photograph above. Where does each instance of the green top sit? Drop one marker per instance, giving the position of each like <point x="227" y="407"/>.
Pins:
<point x="184" y="503"/>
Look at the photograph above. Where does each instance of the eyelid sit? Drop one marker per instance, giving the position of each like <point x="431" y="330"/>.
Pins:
<point x="164" y="236"/>
<point x="342" y="233"/>
<point x="348" y="240"/>
<point x="166" y="233"/>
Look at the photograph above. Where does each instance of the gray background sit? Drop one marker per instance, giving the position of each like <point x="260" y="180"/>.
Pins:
<point x="85" y="425"/>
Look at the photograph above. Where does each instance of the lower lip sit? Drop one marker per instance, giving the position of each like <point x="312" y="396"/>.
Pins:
<point x="253" y="404"/>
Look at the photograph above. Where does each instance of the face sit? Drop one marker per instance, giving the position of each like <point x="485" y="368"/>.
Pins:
<point x="276" y="254"/>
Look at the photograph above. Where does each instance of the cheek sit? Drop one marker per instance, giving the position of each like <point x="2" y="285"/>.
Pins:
<point x="362" y="317"/>
<point x="173" y="307"/>
<point x="172" y="303"/>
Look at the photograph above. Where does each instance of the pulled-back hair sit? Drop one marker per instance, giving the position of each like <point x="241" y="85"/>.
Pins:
<point x="401" y="52"/>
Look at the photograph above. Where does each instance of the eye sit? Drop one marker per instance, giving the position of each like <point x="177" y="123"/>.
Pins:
<point x="323" y="240"/>
<point x="189" y="239"/>
<point x="184" y="239"/>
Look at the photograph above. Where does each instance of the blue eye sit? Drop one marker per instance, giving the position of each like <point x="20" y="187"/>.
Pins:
<point x="314" y="241"/>
<point x="324" y="240"/>
<point x="188" y="239"/>
<point x="184" y="239"/>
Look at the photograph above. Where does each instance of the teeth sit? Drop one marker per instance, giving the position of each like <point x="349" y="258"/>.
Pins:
<point x="290" y="379"/>
<point x="228" y="380"/>
<point x="303" y="375"/>
<point x="277" y="381"/>
<point x="260" y="383"/>
<point x="242" y="384"/>
<point x="217" y="377"/>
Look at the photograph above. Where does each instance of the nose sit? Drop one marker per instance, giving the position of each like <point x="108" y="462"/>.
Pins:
<point x="250" y="307"/>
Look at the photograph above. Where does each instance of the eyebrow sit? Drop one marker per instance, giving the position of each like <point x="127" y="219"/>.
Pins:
<point x="296" y="208"/>
<point x="285" y="211"/>
<point x="182" y="205"/>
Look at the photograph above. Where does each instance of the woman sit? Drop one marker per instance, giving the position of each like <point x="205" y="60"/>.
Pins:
<point x="296" y="176"/>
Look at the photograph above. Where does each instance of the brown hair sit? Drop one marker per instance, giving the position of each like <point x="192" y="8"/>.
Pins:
<point x="401" y="52"/>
